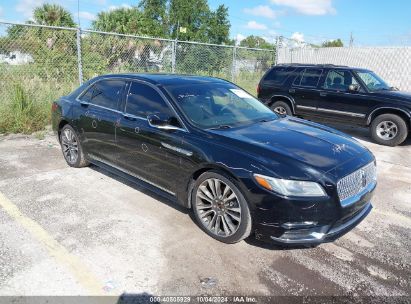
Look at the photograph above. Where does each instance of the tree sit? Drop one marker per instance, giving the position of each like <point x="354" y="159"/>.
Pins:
<point x="121" y="20"/>
<point x="53" y="14"/>
<point x="333" y="43"/>
<point x="256" y="42"/>
<point x="192" y="15"/>
<point x="219" y="26"/>
<point x="154" y="18"/>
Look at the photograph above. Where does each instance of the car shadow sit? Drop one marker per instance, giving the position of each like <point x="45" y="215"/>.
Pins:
<point x="143" y="188"/>
<point x="253" y="241"/>
<point x="361" y="133"/>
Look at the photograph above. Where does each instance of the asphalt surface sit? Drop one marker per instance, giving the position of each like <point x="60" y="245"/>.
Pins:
<point x="66" y="231"/>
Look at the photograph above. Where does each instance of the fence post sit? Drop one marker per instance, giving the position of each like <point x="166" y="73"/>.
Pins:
<point x="234" y="63"/>
<point x="277" y="47"/>
<point x="173" y="56"/>
<point x="80" y="66"/>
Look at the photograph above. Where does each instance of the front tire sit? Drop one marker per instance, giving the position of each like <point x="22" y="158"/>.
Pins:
<point x="71" y="147"/>
<point x="281" y="108"/>
<point x="389" y="130"/>
<point x="220" y="208"/>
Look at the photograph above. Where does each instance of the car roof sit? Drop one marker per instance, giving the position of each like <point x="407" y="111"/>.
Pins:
<point x="165" y="79"/>
<point x="321" y="66"/>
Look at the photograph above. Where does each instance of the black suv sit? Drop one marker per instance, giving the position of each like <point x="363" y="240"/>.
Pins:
<point x="339" y="94"/>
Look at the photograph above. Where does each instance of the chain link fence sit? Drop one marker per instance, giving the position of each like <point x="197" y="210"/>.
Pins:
<point x="393" y="64"/>
<point x="40" y="63"/>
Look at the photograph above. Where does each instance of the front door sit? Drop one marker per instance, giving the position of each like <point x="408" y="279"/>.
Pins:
<point x="305" y="92"/>
<point x="338" y="103"/>
<point x="151" y="154"/>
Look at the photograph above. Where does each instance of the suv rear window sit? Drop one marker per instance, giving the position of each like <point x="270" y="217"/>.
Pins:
<point x="308" y="78"/>
<point x="279" y="74"/>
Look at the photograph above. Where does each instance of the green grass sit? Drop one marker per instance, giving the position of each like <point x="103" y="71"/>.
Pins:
<point x="25" y="105"/>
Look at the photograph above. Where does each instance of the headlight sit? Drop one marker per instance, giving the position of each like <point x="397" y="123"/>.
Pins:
<point x="290" y="187"/>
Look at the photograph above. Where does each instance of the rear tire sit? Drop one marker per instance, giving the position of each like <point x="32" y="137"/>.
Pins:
<point x="389" y="130"/>
<point x="220" y="208"/>
<point x="281" y="108"/>
<point x="71" y="147"/>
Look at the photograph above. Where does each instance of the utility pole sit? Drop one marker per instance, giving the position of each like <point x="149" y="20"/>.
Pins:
<point x="351" y="40"/>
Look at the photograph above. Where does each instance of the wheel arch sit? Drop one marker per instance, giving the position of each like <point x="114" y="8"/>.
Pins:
<point x="388" y="110"/>
<point x="62" y="123"/>
<point x="287" y="99"/>
<point x="196" y="174"/>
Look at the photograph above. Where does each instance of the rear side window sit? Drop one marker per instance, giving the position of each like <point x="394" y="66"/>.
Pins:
<point x="279" y="74"/>
<point x="308" y="78"/>
<point x="143" y="100"/>
<point x="105" y="93"/>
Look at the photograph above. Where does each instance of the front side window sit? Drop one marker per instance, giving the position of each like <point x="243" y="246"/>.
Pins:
<point x="216" y="105"/>
<point x="373" y="81"/>
<point x="144" y="100"/>
<point x="105" y="93"/>
<point x="339" y="80"/>
<point x="308" y="78"/>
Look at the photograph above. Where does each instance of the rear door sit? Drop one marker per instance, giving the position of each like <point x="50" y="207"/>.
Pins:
<point x="98" y="114"/>
<point x="305" y="92"/>
<point x="337" y="102"/>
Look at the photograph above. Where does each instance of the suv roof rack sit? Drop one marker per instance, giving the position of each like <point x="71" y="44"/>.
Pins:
<point x="312" y="64"/>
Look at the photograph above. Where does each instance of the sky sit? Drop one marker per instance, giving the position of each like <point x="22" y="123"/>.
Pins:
<point x="371" y="22"/>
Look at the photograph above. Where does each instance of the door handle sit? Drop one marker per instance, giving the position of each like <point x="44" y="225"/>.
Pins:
<point x="291" y="91"/>
<point x="323" y="94"/>
<point x="84" y="104"/>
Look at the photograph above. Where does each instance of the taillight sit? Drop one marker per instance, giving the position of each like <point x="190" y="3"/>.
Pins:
<point x="54" y="107"/>
<point x="258" y="89"/>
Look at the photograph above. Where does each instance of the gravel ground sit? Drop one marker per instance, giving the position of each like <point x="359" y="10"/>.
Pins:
<point x="66" y="231"/>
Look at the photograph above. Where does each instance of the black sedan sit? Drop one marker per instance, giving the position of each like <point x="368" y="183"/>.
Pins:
<point x="210" y="146"/>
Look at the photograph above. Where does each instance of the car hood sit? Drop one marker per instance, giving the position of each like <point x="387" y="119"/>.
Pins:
<point x="312" y="144"/>
<point x="398" y="95"/>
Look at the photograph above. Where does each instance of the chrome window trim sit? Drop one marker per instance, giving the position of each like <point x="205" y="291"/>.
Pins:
<point x="90" y="85"/>
<point x="130" y="173"/>
<point x="130" y="79"/>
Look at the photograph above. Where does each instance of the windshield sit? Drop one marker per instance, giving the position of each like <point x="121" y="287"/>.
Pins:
<point x="219" y="105"/>
<point x="373" y="81"/>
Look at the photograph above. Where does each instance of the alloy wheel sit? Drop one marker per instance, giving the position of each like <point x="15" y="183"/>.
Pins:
<point x="70" y="145"/>
<point x="218" y="207"/>
<point x="280" y="110"/>
<point x="387" y="130"/>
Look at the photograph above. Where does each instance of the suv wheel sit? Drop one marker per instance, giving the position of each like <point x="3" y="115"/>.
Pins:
<point x="389" y="129"/>
<point x="220" y="208"/>
<point x="281" y="108"/>
<point x="71" y="147"/>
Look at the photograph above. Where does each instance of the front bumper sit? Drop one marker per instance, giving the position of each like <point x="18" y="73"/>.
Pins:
<point x="326" y="233"/>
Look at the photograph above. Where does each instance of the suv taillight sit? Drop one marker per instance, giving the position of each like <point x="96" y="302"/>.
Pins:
<point x="54" y="107"/>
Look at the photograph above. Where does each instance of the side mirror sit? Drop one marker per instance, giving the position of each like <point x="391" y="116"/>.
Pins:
<point x="353" y="88"/>
<point x="162" y="121"/>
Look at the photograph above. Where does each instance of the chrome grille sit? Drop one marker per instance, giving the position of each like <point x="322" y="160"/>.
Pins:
<point x="356" y="182"/>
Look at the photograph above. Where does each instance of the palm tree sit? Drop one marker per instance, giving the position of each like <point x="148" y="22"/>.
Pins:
<point x="53" y="14"/>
